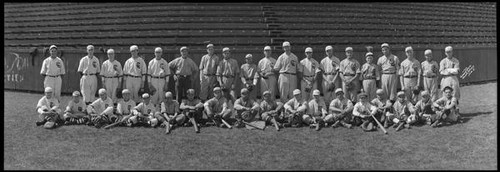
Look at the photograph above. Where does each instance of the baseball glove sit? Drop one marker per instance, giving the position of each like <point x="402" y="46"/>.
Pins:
<point x="152" y="90"/>
<point x="331" y="87"/>
<point x="250" y="88"/>
<point x="141" y="91"/>
<point x="246" y="115"/>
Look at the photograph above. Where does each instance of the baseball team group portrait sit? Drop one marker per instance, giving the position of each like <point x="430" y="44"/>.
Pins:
<point x="250" y="86"/>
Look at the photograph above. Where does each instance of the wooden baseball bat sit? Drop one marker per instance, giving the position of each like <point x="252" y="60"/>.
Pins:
<point x="196" y="129"/>
<point x="379" y="124"/>
<point x="251" y="125"/>
<point x="167" y="128"/>
<point x="275" y="123"/>
<point x="225" y="123"/>
<point x="112" y="125"/>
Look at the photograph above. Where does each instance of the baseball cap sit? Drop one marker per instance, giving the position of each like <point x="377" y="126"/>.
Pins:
<point x="158" y="49"/>
<point x="190" y="91"/>
<point x="217" y="89"/>
<point x="90" y="47"/>
<point x="408" y="48"/>
<point x="184" y="48"/>
<point x="348" y="49"/>
<point x="384" y="45"/>
<point x="267" y="48"/>
<point x="53" y="46"/>
<point x="361" y="95"/>
<point x="48" y="89"/>
<point x="379" y="91"/>
<point x="76" y="93"/>
<point x="134" y="47"/>
<point x="210" y="45"/>
<point x="448" y="48"/>
<point x="266" y="93"/>
<point x="110" y="51"/>
<point x="145" y="95"/>
<point x="248" y="56"/>
<point x="328" y="48"/>
<point x="369" y="54"/>
<point x="424" y="93"/>
<point x="102" y="91"/>
<point x="125" y="91"/>
<point x="225" y="49"/>
<point x="296" y="92"/>
<point x="401" y="93"/>
<point x="339" y="90"/>
<point x="309" y="49"/>
<point x="316" y="93"/>
<point x="168" y="94"/>
<point x="244" y="90"/>
<point x="286" y="43"/>
<point x="428" y="51"/>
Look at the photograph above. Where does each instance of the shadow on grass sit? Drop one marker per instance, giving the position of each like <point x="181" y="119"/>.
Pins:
<point x="470" y="115"/>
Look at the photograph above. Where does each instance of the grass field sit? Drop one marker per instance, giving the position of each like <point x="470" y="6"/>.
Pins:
<point x="470" y="145"/>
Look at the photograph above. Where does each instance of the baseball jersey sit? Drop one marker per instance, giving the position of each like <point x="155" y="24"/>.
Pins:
<point x="134" y="67"/>
<point x="287" y="63"/>
<point x="430" y="69"/>
<point x="266" y="106"/>
<point x="340" y="104"/>
<point x="125" y="107"/>
<point x="228" y="67"/>
<point x="208" y="64"/>
<point x="111" y="69"/>
<point x="186" y="103"/>
<point x="158" y="68"/>
<point x="240" y="103"/>
<point x="400" y="107"/>
<point x="370" y="71"/>
<point x="309" y="67"/>
<point x="248" y="71"/>
<point x="76" y="107"/>
<point x="100" y="105"/>
<point x="217" y="105"/>
<point x="350" y="67"/>
<point x="363" y="109"/>
<point x="424" y="107"/>
<point x="145" y="109"/>
<point x="388" y="64"/>
<point x="316" y="107"/>
<point x="170" y="107"/>
<point x="294" y="104"/>
<point x="183" y="66"/>
<point x="447" y="64"/>
<point x="266" y="65"/>
<point x="53" y="67"/>
<point x="89" y="65"/>
<point x="410" y="68"/>
<point x="444" y="101"/>
<point x="47" y="103"/>
<point x="330" y="66"/>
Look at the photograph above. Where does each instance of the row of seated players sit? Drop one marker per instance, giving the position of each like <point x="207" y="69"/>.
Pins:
<point x="294" y="113"/>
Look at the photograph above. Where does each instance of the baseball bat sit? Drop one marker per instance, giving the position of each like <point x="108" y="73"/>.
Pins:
<point x="167" y="128"/>
<point x="275" y="124"/>
<point x="379" y="124"/>
<point x="112" y="125"/>
<point x="251" y="125"/>
<point x="225" y="123"/>
<point x="196" y="129"/>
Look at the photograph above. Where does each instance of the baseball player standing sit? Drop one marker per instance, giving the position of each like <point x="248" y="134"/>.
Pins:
<point x="134" y="71"/>
<point x="52" y="70"/>
<point x="184" y="69"/>
<point x="208" y="67"/>
<point x="330" y="65"/>
<point x="111" y="74"/>
<point x="448" y="68"/>
<point x="389" y="65"/>
<point x="89" y="68"/>
<point x="409" y="74"/>
<point x="287" y="67"/>
<point x="349" y="72"/>
<point x="227" y="71"/>
<point x="309" y="69"/>
<point x="249" y="76"/>
<point x="158" y="72"/>
<point x="369" y="76"/>
<point x="430" y="73"/>
<point x="267" y="74"/>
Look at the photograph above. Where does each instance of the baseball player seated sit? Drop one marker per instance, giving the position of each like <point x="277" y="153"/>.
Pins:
<point x="384" y="106"/>
<point x="246" y="108"/>
<point x="446" y="108"/>
<point x="363" y="111"/>
<point x="404" y="112"/>
<point x="340" y="110"/>
<point x="144" y="113"/>
<point x="425" y="110"/>
<point x="124" y="107"/>
<point x="101" y="110"/>
<point x="316" y="111"/>
<point x="217" y="108"/>
<point x="171" y="114"/>
<point x="48" y="110"/>
<point x="192" y="107"/>
<point x="271" y="109"/>
<point x="76" y="111"/>
<point x="294" y="109"/>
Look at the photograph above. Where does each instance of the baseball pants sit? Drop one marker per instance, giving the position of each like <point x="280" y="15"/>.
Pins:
<point x="133" y="84"/>
<point x="88" y="86"/>
<point x="111" y="84"/>
<point x="328" y="96"/>
<point x="158" y="84"/>
<point x="451" y="81"/>
<point x="353" y="92"/>
<point x="389" y="85"/>
<point x="228" y="91"/>
<point x="268" y="84"/>
<point x="409" y="83"/>
<point x="182" y="84"/>
<point x="55" y="84"/>
<point x="287" y="83"/>
<point x="370" y="88"/>
<point x="206" y="83"/>
<point x="431" y="86"/>
<point x="307" y="95"/>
